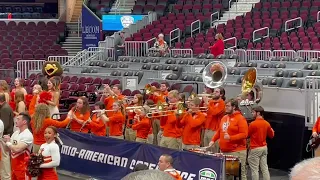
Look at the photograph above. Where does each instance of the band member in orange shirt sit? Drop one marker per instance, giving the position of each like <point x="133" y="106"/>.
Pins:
<point x="215" y="112"/>
<point x="131" y="134"/>
<point x="20" y="144"/>
<point x="37" y="89"/>
<point x="165" y="165"/>
<point x="97" y="124"/>
<point x="116" y="120"/>
<point x="259" y="129"/>
<point x="171" y="137"/>
<point x="232" y="134"/>
<point x="315" y="133"/>
<point x="191" y="122"/>
<point x="79" y="115"/>
<point x="142" y="125"/>
<point x="156" y="97"/>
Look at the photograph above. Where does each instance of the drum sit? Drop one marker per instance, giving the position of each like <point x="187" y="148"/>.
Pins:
<point x="232" y="165"/>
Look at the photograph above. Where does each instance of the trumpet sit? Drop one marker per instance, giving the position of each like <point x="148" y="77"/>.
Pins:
<point x="101" y="111"/>
<point x="151" y="89"/>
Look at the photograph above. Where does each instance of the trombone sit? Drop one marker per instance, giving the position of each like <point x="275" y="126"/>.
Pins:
<point x="151" y="89"/>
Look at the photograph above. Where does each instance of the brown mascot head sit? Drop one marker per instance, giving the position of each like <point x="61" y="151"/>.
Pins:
<point x="52" y="68"/>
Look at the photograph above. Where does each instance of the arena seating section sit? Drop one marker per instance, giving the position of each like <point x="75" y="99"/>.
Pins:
<point x="23" y="10"/>
<point x="30" y="41"/>
<point x="184" y="13"/>
<point x="100" y="7"/>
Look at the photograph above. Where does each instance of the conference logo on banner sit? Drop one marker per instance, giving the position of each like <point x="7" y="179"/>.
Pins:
<point x="91" y="28"/>
<point x="112" y="159"/>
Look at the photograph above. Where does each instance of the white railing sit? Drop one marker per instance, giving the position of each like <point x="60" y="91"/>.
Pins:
<point x="212" y="20"/>
<point x="233" y="40"/>
<point x="318" y="16"/>
<point x="284" y="53"/>
<point x="254" y="38"/>
<point x="61" y="59"/>
<point x="312" y="99"/>
<point x="94" y="54"/>
<point x="76" y="58"/>
<point x="260" y="55"/>
<point x="198" y="22"/>
<point x="294" y="26"/>
<point x="172" y="36"/>
<point x="230" y="8"/>
<point x="308" y="54"/>
<point x="181" y="52"/>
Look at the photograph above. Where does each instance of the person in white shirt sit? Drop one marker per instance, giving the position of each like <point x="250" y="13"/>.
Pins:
<point x="20" y="144"/>
<point x="51" y="154"/>
<point x="1" y="128"/>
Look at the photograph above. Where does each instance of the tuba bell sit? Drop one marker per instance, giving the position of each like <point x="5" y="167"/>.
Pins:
<point x="250" y="83"/>
<point x="214" y="74"/>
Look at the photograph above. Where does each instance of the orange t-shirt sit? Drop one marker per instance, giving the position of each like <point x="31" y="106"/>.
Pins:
<point x="316" y="127"/>
<point x="174" y="173"/>
<point x="130" y="119"/>
<point x="143" y="127"/>
<point x="75" y="126"/>
<point x="169" y="123"/>
<point x="116" y="121"/>
<point x="161" y="98"/>
<point x="192" y="125"/>
<point x="32" y="105"/>
<point x="216" y="110"/>
<point x="259" y="129"/>
<point x="38" y="136"/>
<point x="97" y="126"/>
<point x="237" y="127"/>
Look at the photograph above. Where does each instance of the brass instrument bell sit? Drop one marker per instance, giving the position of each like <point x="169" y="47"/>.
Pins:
<point x="214" y="74"/>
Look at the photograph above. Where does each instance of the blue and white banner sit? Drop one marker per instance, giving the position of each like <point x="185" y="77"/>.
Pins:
<point x="112" y="159"/>
<point x="91" y="28"/>
<point x="118" y="22"/>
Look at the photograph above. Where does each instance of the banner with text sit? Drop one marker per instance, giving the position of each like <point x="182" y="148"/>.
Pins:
<point x="108" y="158"/>
<point x="91" y="28"/>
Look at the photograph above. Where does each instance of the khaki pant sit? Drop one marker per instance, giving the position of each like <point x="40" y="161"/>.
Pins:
<point x="317" y="152"/>
<point x="208" y="135"/>
<point x="5" y="163"/>
<point x="242" y="155"/>
<point x="150" y="139"/>
<point x="189" y="147"/>
<point x="159" y="137"/>
<point x="117" y="137"/>
<point x="155" y="130"/>
<point x="258" y="157"/>
<point x="169" y="142"/>
<point x="130" y="134"/>
<point x="141" y="140"/>
<point x="35" y="148"/>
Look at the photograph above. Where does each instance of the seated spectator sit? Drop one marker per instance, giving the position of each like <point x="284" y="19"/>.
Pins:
<point x="161" y="45"/>
<point x="218" y="47"/>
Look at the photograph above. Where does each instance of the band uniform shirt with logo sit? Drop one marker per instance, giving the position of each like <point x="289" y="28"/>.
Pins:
<point x="18" y="159"/>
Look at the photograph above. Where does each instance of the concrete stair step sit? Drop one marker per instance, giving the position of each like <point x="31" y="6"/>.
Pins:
<point x="74" y="34"/>
<point x="74" y="40"/>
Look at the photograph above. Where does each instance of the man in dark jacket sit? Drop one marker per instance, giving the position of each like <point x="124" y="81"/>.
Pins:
<point x="6" y="115"/>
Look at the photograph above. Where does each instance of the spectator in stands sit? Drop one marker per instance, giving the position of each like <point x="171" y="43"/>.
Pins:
<point x="120" y="45"/>
<point x="161" y="45"/>
<point x="4" y="88"/>
<point x="165" y="164"/>
<point x="18" y="83"/>
<point x="308" y="169"/>
<point x="6" y="115"/>
<point x="218" y="47"/>
<point x="40" y="121"/>
<point x="148" y="175"/>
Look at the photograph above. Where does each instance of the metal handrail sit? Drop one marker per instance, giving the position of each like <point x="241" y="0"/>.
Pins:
<point x="199" y="27"/>
<point x="312" y="98"/>
<point x="230" y="8"/>
<point x="79" y="24"/>
<point x="235" y="42"/>
<point x="257" y="30"/>
<point x="147" y="44"/>
<point x="212" y="21"/>
<point x="318" y="16"/>
<point x="177" y="37"/>
<point x="291" y="20"/>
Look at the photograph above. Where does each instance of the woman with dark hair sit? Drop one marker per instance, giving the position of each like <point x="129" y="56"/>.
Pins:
<point x="51" y="154"/>
<point x="79" y="115"/>
<point x="218" y="47"/>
